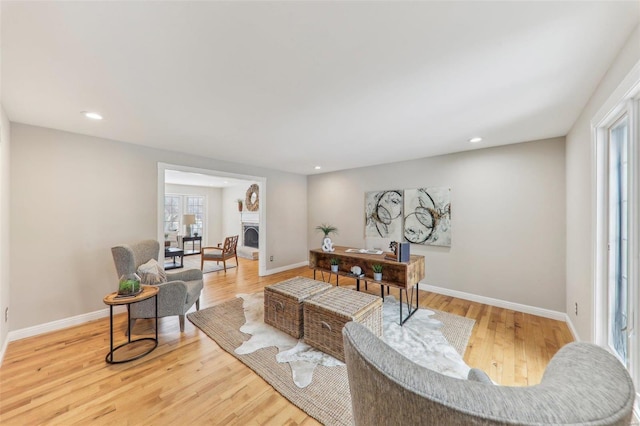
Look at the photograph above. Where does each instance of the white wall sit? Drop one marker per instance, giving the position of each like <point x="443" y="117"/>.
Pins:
<point x="508" y="218"/>
<point x="213" y="225"/>
<point x="580" y="195"/>
<point x="75" y="196"/>
<point x="5" y="229"/>
<point x="232" y="222"/>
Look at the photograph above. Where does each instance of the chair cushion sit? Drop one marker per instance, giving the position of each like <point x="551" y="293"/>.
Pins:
<point x="212" y="256"/>
<point x="151" y="273"/>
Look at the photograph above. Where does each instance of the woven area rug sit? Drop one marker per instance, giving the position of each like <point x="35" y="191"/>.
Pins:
<point x="327" y="398"/>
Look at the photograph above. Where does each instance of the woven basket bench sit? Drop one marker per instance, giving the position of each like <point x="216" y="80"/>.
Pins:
<point x="283" y="303"/>
<point x="325" y="315"/>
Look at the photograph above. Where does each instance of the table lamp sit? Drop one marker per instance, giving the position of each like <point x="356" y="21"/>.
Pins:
<point x="188" y="220"/>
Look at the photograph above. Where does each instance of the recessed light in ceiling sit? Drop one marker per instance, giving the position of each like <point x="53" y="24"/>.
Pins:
<point x="317" y="167"/>
<point x="475" y="140"/>
<point x="92" y="115"/>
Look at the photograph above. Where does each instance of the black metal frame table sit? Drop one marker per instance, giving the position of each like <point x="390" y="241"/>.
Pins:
<point x="112" y="300"/>
<point x="173" y="252"/>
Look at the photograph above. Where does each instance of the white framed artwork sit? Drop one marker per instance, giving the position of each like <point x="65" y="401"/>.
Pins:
<point x="427" y="216"/>
<point x="383" y="214"/>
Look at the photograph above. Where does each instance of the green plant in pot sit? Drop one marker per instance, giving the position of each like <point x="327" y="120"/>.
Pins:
<point x="377" y="271"/>
<point x="129" y="285"/>
<point x="327" y="230"/>
<point x="335" y="264"/>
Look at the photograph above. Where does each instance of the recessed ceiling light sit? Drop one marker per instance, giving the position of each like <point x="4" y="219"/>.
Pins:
<point x="475" y="140"/>
<point x="317" y="167"/>
<point x="92" y="115"/>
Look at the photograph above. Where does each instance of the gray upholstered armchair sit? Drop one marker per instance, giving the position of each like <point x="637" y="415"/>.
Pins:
<point x="582" y="385"/>
<point x="175" y="297"/>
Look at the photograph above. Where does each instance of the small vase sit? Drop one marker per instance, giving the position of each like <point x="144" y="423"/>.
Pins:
<point x="377" y="276"/>
<point x="334" y="268"/>
<point x="129" y="285"/>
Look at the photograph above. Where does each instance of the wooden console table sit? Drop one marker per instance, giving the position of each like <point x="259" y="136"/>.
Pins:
<point x="404" y="276"/>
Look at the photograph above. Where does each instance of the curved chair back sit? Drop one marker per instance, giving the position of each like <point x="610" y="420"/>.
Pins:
<point x="230" y="245"/>
<point x="583" y="384"/>
<point x="127" y="257"/>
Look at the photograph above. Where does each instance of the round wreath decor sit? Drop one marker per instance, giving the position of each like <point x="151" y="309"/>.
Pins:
<point x="252" y="201"/>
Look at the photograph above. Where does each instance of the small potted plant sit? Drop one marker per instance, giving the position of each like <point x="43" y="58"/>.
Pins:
<point x="129" y="285"/>
<point x="377" y="271"/>
<point x="240" y="201"/>
<point x="327" y="230"/>
<point x="335" y="263"/>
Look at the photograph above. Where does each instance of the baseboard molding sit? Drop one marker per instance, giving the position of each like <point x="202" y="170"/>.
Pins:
<point x="541" y="312"/>
<point x="61" y="324"/>
<point x="4" y="348"/>
<point x="572" y="328"/>
<point x="286" y="268"/>
<point x="90" y="316"/>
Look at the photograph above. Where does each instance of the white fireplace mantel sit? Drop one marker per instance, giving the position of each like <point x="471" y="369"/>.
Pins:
<point x="250" y="217"/>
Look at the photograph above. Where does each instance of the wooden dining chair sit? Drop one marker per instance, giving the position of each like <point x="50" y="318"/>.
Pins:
<point x="221" y="253"/>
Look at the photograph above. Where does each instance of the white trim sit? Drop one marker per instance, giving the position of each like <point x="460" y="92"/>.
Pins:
<point x="541" y="312"/>
<point x="285" y="268"/>
<point x="627" y="89"/>
<point x="572" y="328"/>
<point x="62" y="324"/>
<point x="4" y="349"/>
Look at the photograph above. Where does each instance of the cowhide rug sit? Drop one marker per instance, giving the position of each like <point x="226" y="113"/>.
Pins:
<point x="419" y="339"/>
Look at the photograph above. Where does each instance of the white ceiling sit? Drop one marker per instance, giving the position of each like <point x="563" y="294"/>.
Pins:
<point x="290" y="85"/>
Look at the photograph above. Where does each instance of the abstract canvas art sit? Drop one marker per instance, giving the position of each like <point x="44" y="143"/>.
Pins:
<point x="383" y="210"/>
<point x="427" y="216"/>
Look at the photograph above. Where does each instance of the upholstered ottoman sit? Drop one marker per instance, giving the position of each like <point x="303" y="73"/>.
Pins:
<point x="283" y="303"/>
<point x="325" y="315"/>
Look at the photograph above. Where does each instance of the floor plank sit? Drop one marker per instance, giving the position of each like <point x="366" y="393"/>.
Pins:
<point x="61" y="377"/>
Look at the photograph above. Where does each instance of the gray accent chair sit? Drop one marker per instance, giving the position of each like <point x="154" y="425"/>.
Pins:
<point x="175" y="297"/>
<point x="582" y="385"/>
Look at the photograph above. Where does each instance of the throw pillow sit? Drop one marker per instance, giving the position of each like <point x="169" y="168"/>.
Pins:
<point x="478" y="375"/>
<point x="151" y="273"/>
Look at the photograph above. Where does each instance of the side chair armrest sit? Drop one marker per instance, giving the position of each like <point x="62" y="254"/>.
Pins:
<point x="172" y="290"/>
<point x="191" y="274"/>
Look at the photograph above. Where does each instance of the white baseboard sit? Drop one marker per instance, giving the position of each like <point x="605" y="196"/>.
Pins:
<point x="84" y="318"/>
<point x="572" y="328"/>
<point x="4" y="348"/>
<point x="541" y="312"/>
<point x="286" y="268"/>
<point x="61" y="324"/>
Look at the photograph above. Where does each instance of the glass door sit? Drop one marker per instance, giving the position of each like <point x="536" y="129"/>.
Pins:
<point x="618" y="239"/>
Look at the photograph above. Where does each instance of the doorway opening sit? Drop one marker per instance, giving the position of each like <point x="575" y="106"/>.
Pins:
<point x="220" y="214"/>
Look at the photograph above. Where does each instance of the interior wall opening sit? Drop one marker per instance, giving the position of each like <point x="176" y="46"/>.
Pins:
<point x="211" y="204"/>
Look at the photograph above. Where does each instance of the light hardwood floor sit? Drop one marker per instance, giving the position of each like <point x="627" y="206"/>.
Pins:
<point x="62" y="378"/>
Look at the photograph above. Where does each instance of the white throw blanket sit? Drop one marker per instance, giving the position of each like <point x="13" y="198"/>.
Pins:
<point x="419" y="339"/>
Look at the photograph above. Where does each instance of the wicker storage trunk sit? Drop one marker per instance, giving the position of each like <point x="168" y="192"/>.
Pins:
<point x="283" y="303"/>
<point x="326" y="314"/>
